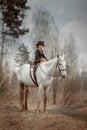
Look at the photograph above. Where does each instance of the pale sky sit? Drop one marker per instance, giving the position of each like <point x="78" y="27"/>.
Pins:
<point x="69" y="16"/>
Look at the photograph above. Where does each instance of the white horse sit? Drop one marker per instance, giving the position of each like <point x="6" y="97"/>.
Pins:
<point x="44" y="73"/>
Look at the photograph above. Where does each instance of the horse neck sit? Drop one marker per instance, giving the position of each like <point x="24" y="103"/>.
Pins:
<point x="49" y="65"/>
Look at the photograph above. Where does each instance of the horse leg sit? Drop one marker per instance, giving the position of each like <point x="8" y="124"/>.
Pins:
<point x="39" y="98"/>
<point x="45" y="100"/>
<point x="21" y="95"/>
<point x="26" y="97"/>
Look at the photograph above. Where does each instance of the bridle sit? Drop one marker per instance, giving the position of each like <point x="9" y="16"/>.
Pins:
<point x="57" y="71"/>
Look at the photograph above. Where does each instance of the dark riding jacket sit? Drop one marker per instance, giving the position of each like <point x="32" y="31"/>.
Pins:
<point x="38" y="55"/>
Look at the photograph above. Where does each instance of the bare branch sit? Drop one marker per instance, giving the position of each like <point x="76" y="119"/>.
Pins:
<point x="6" y="76"/>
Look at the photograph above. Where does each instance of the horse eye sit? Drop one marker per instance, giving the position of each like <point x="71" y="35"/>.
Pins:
<point x="59" y="63"/>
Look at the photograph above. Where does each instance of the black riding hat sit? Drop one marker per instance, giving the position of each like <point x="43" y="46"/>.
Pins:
<point x="40" y="43"/>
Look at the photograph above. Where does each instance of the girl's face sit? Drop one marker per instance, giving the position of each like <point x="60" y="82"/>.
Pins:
<point x="40" y="47"/>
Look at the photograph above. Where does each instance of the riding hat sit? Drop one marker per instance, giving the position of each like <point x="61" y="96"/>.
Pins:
<point x="40" y="43"/>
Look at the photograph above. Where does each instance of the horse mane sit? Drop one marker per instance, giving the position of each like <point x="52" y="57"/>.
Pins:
<point x="48" y="62"/>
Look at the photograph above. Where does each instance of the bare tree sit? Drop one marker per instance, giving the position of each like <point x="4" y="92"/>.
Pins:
<point x="45" y="29"/>
<point x="71" y="93"/>
<point x="72" y="83"/>
<point x="4" y="78"/>
<point x="2" y="40"/>
<point x="71" y="54"/>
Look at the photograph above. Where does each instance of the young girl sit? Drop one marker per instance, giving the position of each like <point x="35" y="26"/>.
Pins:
<point x="39" y="55"/>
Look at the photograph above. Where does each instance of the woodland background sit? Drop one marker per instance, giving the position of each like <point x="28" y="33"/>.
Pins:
<point x="71" y="91"/>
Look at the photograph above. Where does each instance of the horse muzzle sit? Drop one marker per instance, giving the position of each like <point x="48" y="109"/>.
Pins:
<point x="64" y="74"/>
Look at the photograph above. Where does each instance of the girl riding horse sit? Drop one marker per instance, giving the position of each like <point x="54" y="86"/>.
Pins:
<point x="39" y="54"/>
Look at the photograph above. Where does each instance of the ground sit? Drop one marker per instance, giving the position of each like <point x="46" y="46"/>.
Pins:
<point x="57" y="118"/>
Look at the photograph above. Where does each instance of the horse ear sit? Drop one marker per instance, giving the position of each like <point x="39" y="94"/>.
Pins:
<point x="57" y="56"/>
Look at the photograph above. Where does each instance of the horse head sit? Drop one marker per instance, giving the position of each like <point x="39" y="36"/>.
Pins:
<point x="62" y="65"/>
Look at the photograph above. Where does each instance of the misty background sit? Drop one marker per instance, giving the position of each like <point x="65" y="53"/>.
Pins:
<point x="67" y="16"/>
<point x="70" y="16"/>
<point x="62" y="25"/>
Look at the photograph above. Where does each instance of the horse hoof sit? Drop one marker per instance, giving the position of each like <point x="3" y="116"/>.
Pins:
<point x="38" y="111"/>
<point x="23" y="110"/>
<point x="46" y="112"/>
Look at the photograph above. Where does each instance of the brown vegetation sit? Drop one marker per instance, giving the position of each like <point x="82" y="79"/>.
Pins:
<point x="71" y="108"/>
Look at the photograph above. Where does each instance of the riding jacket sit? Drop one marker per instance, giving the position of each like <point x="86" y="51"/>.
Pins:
<point x="38" y="55"/>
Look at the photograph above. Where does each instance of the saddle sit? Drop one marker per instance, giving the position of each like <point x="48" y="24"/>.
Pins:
<point x="33" y="75"/>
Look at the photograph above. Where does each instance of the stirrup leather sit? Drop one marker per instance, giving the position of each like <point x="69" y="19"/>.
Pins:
<point x="33" y="75"/>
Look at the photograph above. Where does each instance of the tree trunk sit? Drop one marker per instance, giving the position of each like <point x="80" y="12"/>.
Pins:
<point x="2" y="41"/>
<point x="54" y="91"/>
